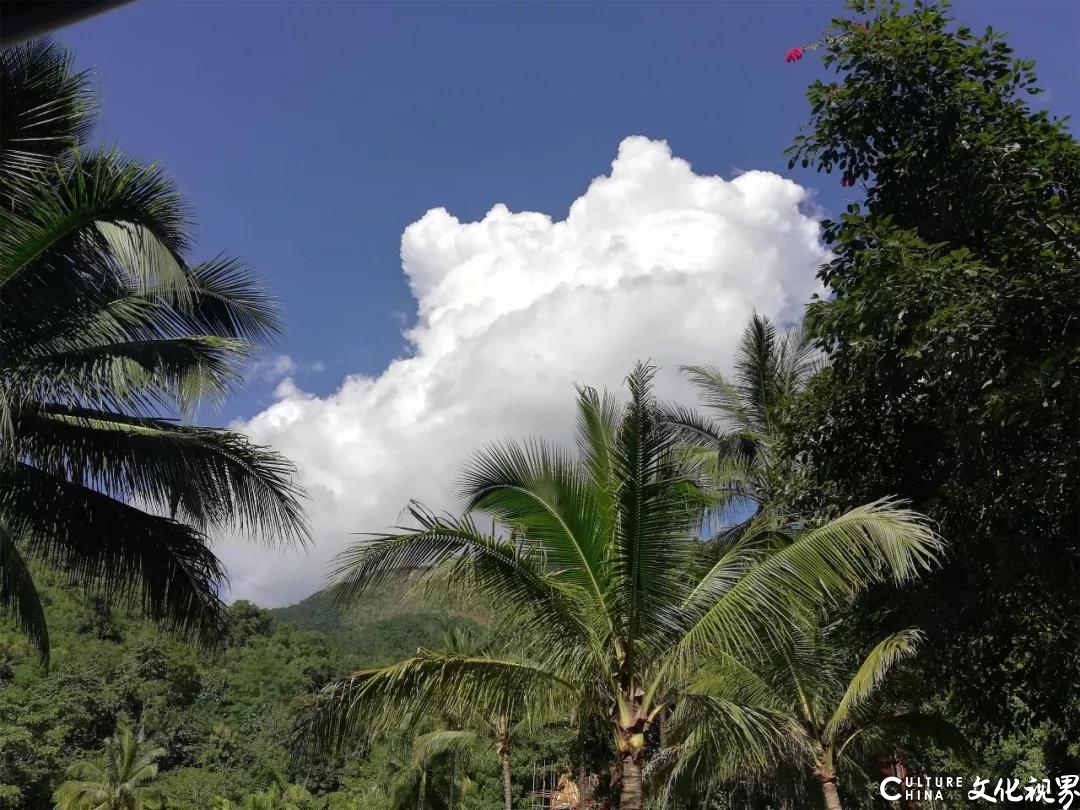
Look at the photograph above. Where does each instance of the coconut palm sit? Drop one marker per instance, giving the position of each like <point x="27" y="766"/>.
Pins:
<point x="423" y="779"/>
<point x="837" y="713"/>
<point x="459" y="749"/>
<point x="600" y="599"/>
<point x="121" y="781"/>
<point x="108" y="337"/>
<point x="735" y="438"/>
<point x="478" y="736"/>
<point x="455" y="733"/>
<point x="48" y="111"/>
<point x="279" y="796"/>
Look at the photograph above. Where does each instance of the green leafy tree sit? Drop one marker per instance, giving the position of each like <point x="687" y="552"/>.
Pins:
<point x="107" y="334"/>
<point x="122" y="781"/>
<point x="598" y="595"/>
<point x="247" y="621"/>
<point x="222" y="720"/>
<point x="950" y="325"/>
<point x="839" y="714"/>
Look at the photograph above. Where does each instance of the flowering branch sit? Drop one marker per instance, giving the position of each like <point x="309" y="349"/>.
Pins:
<point x="827" y="39"/>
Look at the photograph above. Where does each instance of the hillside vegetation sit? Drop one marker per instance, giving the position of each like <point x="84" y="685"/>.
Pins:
<point x="222" y="717"/>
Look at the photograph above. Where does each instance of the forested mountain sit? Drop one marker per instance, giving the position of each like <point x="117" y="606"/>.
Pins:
<point x="384" y="626"/>
<point x="222" y="717"/>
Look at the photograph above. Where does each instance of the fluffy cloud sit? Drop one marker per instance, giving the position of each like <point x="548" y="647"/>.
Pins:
<point x="652" y="261"/>
<point x="272" y="367"/>
<point x="277" y="367"/>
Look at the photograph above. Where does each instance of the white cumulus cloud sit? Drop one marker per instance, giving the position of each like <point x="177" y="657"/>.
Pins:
<point x="277" y="367"/>
<point x="652" y="262"/>
<point x="273" y="367"/>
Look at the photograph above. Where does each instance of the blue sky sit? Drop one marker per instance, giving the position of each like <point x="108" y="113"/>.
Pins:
<point x="314" y="139"/>
<point x="306" y="136"/>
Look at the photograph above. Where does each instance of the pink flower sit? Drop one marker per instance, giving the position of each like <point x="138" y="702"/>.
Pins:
<point x="847" y="180"/>
<point x="794" y="55"/>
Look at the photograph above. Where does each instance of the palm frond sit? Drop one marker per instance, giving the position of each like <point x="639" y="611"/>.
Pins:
<point x="730" y="556"/>
<point x="430" y="682"/>
<point x="48" y="108"/>
<point x="149" y="267"/>
<point x="659" y="509"/>
<point x="871" y="674"/>
<point x="732" y="679"/>
<point x="124" y="220"/>
<point x="543" y="492"/>
<point x="434" y="744"/>
<point x="720" y="394"/>
<point x="227" y="300"/>
<point x="117" y="550"/>
<point x="18" y="597"/>
<point x="692" y="427"/>
<point x="454" y="554"/>
<point x="122" y="226"/>
<point x="134" y="374"/>
<point x="915" y="731"/>
<point x="799" y="359"/>
<point x="598" y="419"/>
<point x="213" y="478"/>
<point x="818" y="567"/>
<point x="757" y="370"/>
<point x="724" y="738"/>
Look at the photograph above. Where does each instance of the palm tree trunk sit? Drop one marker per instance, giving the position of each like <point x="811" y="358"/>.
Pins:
<point x="631" y="722"/>
<point x="453" y="779"/>
<point x="508" y="792"/>
<point x="502" y="747"/>
<point x="583" y="793"/>
<point x="630" y="793"/>
<point x="832" y="795"/>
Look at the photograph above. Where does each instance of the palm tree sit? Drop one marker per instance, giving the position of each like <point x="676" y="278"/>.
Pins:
<point x="735" y="440"/>
<point x="457" y="734"/>
<point x="456" y="748"/>
<point x="478" y="732"/>
<point x="107" y="336"/>
<point x="279" y="796"/>
<point x="421" y="779"/>
<point x="837" y="716"/>
<point x="601" y="600"/>
<point x="121" y="782"/>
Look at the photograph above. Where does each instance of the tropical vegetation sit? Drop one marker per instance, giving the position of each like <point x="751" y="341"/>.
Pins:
<point x="221" y="718"/>
<point x="954" y="355"/>
<point x="122" y="781"/>
<point x="838" y="714"/>
<point x="604" y="601"/>
<point x="107" y="335"/>
<point x="856" y="556"/>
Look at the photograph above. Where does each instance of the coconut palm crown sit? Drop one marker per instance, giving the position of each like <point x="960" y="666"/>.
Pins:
<point x="122" y="780"/>
<point x="839" y="714"/>
<point x="109" y="339"/>
<point x="600" y="595"/>
<point x="735" y="434"/>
